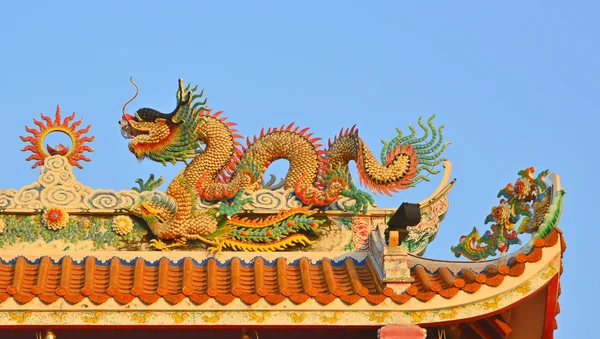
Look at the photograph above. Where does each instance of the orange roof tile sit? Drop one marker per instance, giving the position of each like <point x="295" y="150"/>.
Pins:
<point x="447" y="284"/>
<point x="349" y="280"/>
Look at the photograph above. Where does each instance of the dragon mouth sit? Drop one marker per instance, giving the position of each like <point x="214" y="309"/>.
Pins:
<point x="149" y="211"/>
<point x="128" y="129"/>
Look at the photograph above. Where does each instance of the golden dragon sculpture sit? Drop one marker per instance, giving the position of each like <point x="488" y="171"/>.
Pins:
<point x="220" y="168"/>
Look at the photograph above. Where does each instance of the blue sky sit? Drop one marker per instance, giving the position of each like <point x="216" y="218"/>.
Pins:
<point x="516" y="85"/>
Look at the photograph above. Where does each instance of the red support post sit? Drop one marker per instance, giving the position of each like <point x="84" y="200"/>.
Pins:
<point x="402" y="332"/>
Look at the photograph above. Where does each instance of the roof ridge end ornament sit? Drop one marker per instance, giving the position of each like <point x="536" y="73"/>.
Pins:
<point x="390" y="263"/>
<point x="443" y="187"/>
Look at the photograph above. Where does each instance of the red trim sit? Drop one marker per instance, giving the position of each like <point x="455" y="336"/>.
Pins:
<point x="402" y="331"/>
<point x="551" y="304"/>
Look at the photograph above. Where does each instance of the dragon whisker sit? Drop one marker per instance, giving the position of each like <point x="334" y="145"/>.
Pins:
<point x="137" y="90"/>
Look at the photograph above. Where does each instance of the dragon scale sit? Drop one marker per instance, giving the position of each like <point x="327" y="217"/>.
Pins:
<point x="219" y="167"/>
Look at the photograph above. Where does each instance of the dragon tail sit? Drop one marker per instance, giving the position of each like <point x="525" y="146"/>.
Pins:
<point x="404" y="159"/>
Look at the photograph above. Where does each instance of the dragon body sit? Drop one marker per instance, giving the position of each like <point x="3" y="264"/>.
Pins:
<point x="220" y="168"/>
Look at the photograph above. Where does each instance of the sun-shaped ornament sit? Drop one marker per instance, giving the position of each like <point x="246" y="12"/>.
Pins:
<point x="72" y="153"/>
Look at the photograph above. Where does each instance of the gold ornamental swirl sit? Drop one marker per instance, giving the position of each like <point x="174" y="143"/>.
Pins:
<point x="267" y="199"/>
<point x="78" y="187"/>
<point x="128" y="198"/>
<point x="66" y="178"/>
<point x="28" y="197"/>
<point x="7" y="198"/>
<point x="290" y="198"/>
<point x="58" y="186"/>
<point x="49" y="179"/>
<point x="59" y="196"/>
<point x="104" y="199"/>
<point x="52" y="179"/>
<point x="56" y="171"/>
<point x="57" y="163"/>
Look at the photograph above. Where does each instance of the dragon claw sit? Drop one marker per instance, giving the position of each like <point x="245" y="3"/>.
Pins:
<point x="160" y="245"/>
<point x="216" y="249"/>
<point x="149" y="185"/>
<point x="362" y="200"/>
<point x="215" y="246"/>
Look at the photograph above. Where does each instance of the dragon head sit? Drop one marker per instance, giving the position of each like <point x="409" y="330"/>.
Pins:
<point x="156" y="210"/>
<point x="165" y="137"/>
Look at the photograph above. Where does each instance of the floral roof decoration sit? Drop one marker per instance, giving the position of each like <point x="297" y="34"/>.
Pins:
<point x="55" y="218"/>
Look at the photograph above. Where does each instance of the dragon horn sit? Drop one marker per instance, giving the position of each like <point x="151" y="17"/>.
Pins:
<point x="137" y="90"/>
<point x="181" y="101"/>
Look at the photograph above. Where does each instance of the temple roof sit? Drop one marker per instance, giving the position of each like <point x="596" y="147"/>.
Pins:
<point x="76" y="255"/>
<point x="348" y="279"/>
